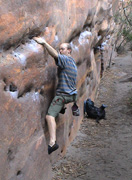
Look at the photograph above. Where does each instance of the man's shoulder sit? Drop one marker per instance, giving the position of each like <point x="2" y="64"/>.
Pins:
<point x="62" y="56"/>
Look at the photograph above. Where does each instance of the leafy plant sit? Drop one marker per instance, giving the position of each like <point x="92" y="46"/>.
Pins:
<point x="123" y="18"/>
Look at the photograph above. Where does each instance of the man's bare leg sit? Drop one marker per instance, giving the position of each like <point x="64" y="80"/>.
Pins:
<point x="53" y="146"/>
<point x="52" y="129"/>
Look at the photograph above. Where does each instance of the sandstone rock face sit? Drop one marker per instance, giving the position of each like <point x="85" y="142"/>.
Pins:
<point x="28" y="76"/>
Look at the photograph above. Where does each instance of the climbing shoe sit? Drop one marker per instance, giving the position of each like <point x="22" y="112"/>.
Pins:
<point x="52" y="148"/>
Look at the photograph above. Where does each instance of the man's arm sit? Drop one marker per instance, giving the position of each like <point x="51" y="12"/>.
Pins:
<point x="49" y="48"/>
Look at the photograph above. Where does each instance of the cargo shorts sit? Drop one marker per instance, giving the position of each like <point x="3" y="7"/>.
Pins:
<point x="59" y="102"/>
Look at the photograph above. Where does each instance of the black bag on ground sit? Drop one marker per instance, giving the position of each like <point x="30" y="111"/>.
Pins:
<point x="94" y="112"/>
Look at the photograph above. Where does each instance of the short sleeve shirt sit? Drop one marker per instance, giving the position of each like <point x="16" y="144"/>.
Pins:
<point x="67" y="75"/>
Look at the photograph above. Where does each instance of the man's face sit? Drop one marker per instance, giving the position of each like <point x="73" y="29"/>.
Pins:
<point x="63" y="49"/>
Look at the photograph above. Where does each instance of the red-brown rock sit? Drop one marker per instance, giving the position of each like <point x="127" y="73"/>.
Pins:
<point x="28" y="76"/>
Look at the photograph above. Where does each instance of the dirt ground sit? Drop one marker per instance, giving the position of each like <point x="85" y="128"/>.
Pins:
<point x="104" y="151"/>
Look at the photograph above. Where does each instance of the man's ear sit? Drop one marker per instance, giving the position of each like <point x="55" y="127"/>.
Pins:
<point x="69" y="51"/>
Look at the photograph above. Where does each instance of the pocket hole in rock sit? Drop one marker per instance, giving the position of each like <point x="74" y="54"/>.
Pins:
<point x="10" y="155"/>
<point x="12" y="88"/>
<point x="19" y="173"/>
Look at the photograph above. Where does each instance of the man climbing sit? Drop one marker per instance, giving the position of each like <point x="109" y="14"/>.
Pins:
<point x="66" y="91"/>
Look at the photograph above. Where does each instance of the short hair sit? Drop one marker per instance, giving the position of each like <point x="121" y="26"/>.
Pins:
<point x="69" y="46"/>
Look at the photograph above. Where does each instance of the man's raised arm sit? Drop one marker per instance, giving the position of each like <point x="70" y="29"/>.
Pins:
<point x="49" y="48"/>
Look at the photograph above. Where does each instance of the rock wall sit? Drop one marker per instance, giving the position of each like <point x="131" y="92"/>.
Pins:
<point x="28" y="76"/>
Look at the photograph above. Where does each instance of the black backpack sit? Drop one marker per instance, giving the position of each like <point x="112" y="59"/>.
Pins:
<point x="94" y="112"/>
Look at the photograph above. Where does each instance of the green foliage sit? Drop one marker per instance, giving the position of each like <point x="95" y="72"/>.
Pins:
<point x="123" y="18"/>
<point x="127" y="33"/>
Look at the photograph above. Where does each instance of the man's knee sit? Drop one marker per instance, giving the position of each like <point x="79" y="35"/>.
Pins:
<point x="49" y="118"/>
